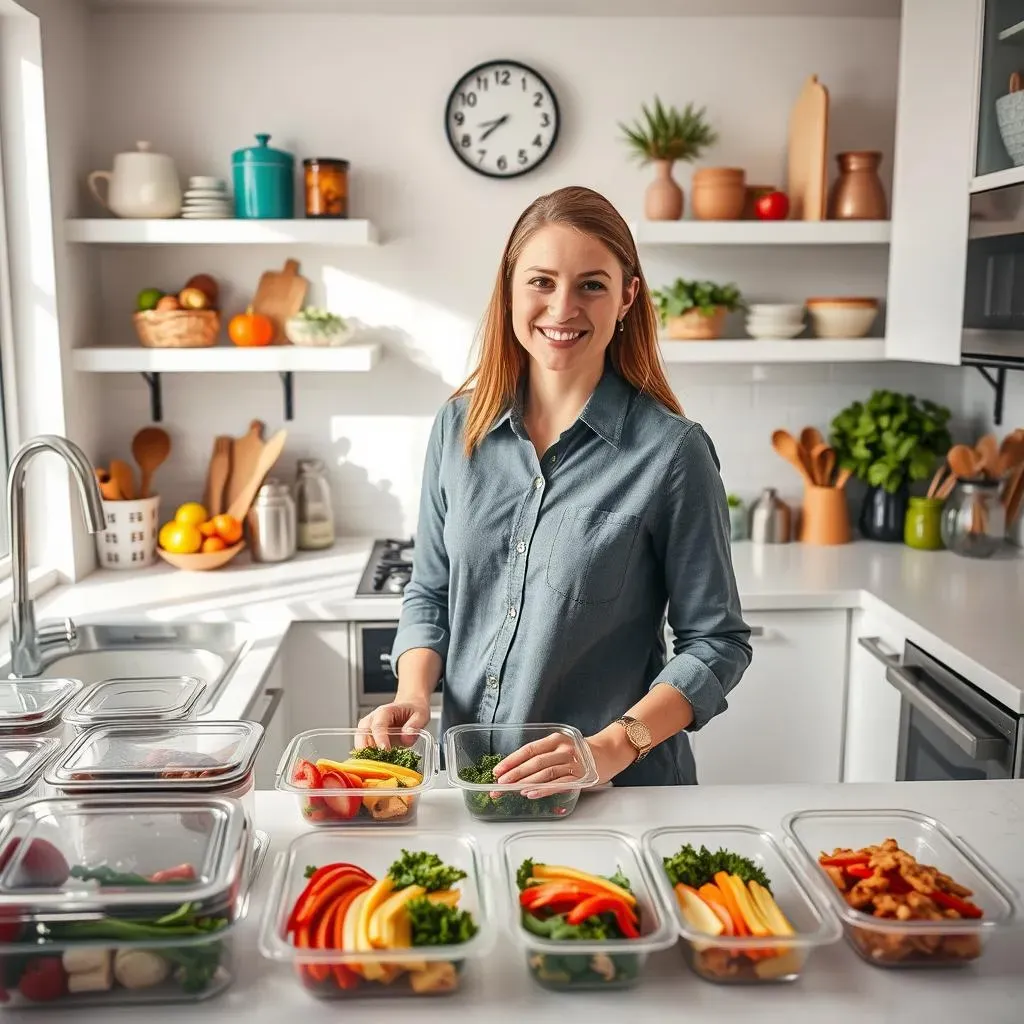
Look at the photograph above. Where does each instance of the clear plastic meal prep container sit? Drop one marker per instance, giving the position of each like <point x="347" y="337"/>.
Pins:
<point x="889" y="942"/>
<point x="23" y="759"/>
<point x="349" y="791"/>
<point x="577" y="964"/>
<point x="466" y="745"/>
<point x="329" y="971"/>
<point x="160" y="699"/>
<point x="180" y="758"/>
<point x="104" y="902"/>
<point x="732" y="959"/>
<point x="34" y="706"/>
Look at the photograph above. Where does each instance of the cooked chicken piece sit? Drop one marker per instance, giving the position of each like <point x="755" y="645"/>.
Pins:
<point x="838" y="878"/>
<point x="719" y="962"/>
<point x="966" y="947"/>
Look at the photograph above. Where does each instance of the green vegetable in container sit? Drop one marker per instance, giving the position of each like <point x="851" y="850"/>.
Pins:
<point x="695" y="868"/>
<point x="507" y="805"/>
<point x="424" y="869"/>
<point x="403" y="757"/>
<point x="437" y="924"/>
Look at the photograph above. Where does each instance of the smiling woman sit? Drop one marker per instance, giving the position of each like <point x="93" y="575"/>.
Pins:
<point x="566" y="501"/>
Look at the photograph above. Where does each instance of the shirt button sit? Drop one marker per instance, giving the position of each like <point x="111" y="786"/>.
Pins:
<point x="538" y="482"/>
<point x="521" y="547"/>
<point x="553" y="459"/>
<point x="512" y="612"/>
<point x="492" y="682"/>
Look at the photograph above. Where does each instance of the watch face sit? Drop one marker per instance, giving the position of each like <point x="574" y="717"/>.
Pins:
<point x="502" y="119"/>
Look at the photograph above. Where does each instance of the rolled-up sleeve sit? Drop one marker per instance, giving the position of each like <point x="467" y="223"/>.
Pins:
<point x="424" y="619"/>
<point x="691" y="537"/>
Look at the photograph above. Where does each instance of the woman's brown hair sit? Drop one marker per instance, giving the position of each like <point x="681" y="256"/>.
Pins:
<point x="634" y="351"/>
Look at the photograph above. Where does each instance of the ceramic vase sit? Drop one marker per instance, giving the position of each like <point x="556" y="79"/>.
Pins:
<point x="663" y="199"/>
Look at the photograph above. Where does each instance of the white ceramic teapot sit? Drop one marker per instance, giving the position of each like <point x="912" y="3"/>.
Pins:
<point x="141" y="185"/>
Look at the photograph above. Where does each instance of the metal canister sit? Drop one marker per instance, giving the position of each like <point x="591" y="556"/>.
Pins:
<point x="272" y="523"/>
<point x="771" y="521"/>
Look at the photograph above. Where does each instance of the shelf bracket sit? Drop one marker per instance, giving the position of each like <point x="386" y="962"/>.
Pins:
<point x="998" y="382"/>
<point x="288" y="387"/>
<point x="156" y="402"/>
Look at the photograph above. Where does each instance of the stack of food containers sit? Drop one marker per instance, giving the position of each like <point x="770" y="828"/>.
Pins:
<point x="159" y="699"/>
<point x="106" y="901"/>
<point x="23" y="759"/>
<point x="34" y="707"/>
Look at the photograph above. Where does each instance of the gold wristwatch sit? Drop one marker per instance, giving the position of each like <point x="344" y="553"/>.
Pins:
<point x="638" y="735"/>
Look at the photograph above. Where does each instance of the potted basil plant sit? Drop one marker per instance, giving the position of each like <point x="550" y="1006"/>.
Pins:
<point x="889" y="441"/>
<point x="695" y="310"/>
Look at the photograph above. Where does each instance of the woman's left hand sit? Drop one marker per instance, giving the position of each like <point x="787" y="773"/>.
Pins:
<point x="553" y="759"/>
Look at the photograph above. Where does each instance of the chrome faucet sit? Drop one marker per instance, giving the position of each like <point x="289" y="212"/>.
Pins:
<point x="29" y="645"/>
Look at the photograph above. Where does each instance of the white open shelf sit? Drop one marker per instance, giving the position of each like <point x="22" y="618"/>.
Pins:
<point x="810" y="350"/>
<point x="229" y="231"/>
<point x="226" y="359"/>
<point x="997" y="179"/>
<point x="761" y="232"/>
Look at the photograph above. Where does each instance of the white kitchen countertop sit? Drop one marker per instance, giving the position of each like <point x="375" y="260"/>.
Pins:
<point x="836" y="986"/>
<point x="969" y="613"/>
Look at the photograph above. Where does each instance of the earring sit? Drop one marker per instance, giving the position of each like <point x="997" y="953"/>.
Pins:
<point x="622" y="325"/>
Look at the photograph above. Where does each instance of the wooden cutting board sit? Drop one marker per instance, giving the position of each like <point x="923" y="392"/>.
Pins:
<point x="245" y="456"/>
<point x="806" y="174"/>
<point x="279" y="295"/>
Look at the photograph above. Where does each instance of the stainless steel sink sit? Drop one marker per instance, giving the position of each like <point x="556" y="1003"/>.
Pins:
<point x="206" y="650"/>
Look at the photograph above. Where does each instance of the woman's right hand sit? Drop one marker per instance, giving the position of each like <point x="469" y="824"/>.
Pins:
<point x="400" y="714"/>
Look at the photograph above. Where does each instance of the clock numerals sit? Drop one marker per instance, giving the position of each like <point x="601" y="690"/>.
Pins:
<point x="502" y="163"/>
<point x="465" y="142"/>
<point x="538" y="141"/>
<point x="538" y="99"/>
<point x="459" y="118"/>
<point x="467" y="99"/>
<point x="523" y="157"/>
<point x="481" y="154"/>
<point x="502" y="76"/>
<point x="545" y="120"/>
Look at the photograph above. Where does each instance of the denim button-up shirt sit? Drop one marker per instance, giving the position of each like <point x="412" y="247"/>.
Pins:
<point x="543" y="582"/>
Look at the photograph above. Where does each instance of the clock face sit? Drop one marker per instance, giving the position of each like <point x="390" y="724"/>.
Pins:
<point x="502" y="119"/>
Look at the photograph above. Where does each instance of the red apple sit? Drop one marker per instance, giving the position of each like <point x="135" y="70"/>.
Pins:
<point x="771" y="206"/>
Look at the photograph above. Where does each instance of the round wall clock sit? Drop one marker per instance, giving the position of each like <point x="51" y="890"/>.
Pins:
<point x="502" y="119"/>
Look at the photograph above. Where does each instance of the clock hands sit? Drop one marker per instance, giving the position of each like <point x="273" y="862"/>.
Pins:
<point x="492" y="125"/>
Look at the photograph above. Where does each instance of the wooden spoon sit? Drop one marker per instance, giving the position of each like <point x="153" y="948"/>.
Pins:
<point x="965" y="462"/>
<point x="790" y="449"/>
<point x="1011" y="454"/>
<point x="823" y="462"/>
<point x="150" y="448"/>
<point x="810" y="438"/>
<point x="936" y="480"/>
<point x="123" y="476"/>
<point x="987" y="454"/>
<point x="844" y="475"/>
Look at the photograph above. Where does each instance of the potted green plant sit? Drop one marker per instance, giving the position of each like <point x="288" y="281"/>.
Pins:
<point x="695" y="310"/>
<point x="889" y="442"/>
<point x="663" y="136"/>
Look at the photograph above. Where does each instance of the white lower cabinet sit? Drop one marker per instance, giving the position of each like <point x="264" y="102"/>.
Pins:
<point x="873" y="706"/>
<point x="268" y="708"/>
<point x="785" y="718"/>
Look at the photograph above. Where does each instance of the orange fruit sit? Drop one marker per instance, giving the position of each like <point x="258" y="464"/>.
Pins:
<point x="213" y="544"/>
<point x="180" y="538"/>
<point x="228" y="528"/>
<point x="207" y="529"/>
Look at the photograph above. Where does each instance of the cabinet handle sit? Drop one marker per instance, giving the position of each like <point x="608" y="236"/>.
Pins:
<point x="272" y="695"/>
<point x="873" y="645"/>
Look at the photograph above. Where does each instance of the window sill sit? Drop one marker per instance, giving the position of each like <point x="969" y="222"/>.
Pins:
<point x="39" y="582"/>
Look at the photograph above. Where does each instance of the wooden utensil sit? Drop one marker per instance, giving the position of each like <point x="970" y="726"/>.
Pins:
<point x="279" y="295"/>
<point x="789" y="448"/>
<point x="1014" y="495"/>
<point x="810" y="438"/>
<point x="844" y="475"/>
<point x="1011" y="453"/>
<point x="150" y="448"/>
<point x="823" y="462"/>
<point x="805" y="162"/>
<point x="268" y="456"/>
<point x="107" y="485"/>
<point x="965" y="462"/>
<point x="986" y="451"/>
<point x="217" y="475"/>
<point x="245" y="453"/>
<point x="122" y="474"/>
<point x="936" y="480"/>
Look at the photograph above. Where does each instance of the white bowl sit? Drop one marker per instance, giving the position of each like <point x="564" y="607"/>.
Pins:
<point x="206" y="181"/>
<point x="785" y="321"/>
<point x="778" y="310"/>
<point x="769" y="332"/>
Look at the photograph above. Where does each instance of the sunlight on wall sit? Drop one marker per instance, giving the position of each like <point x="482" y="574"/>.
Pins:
<point x="431" y="337"/>
<point x="38" y="182"/>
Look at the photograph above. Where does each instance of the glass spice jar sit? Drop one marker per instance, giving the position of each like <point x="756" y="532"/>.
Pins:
<point x="313" y="501"/>
<point x="326" y="187"/>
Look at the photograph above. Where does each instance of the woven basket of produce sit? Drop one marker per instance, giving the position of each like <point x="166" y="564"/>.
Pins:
<point x="178" y="328"/>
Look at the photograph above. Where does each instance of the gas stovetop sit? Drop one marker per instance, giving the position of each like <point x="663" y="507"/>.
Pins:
<point x="388" y="569"/>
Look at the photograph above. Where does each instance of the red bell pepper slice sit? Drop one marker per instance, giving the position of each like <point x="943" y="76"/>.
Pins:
<point x="342" y="806"/>
<point x="951" y="902"/>
<point x="625" y="918"/>
<point x="536" y="896"/>
<point x="859" y="871"/>
<point x="321" y="879"/>
<point x="344" y="976"/>
<point x="315" y="973"/>
<point x="317" y="903"/>
<point x="843" y="860"/>
<point x="181" y="873"/>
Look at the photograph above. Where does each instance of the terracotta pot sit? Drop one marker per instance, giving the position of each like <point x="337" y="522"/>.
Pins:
<point x="693" y="325"/>
<point x="857" y="193"/>
<point x="718" y="200"/>
<point x="663" y="199"/>
<point x="825" y="517"/>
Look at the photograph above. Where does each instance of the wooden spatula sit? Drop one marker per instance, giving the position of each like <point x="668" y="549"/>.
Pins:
<point x="245" y="453"/>
<point x="268" y="456"/>
<point x="279" y="295"/>
<point x="217" y="475"/>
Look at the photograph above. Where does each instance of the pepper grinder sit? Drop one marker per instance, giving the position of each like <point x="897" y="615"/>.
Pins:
<point x="771" y="521"/>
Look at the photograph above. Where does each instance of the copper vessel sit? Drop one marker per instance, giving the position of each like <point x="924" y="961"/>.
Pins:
<point x="857" y="193"/>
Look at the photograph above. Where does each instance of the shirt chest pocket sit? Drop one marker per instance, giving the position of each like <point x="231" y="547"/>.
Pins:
<point x="590" y="554"/>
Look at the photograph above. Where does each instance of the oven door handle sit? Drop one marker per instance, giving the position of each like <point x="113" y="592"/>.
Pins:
<point x="978" y="748"/>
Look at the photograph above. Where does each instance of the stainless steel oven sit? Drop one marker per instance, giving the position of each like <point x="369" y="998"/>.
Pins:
<point x="375" y="683"/>
<point x="949" y="729"/>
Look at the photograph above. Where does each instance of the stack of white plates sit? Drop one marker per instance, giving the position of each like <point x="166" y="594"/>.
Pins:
<point x="207" y="199"/>
<point x="775" y="320"/>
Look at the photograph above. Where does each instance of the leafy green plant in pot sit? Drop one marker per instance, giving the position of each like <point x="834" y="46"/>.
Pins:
<point x="662" y="136"/>
<point x="889" y="441"/>
<point x="695" y="310"/>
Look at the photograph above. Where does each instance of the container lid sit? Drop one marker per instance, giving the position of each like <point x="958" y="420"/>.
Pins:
<point x="160" y="699"/>
<point x="333" y="161"/>
<point x="34" y="703"/>
<point x="70" y="859"/>
<point x="22" y="760"/>
<point x="262" y="153"/>
<point x="184" y="756"/>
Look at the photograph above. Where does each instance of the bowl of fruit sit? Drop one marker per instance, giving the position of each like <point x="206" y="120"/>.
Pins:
<point x="188" y="318"/>
<point x="197" y="541"/>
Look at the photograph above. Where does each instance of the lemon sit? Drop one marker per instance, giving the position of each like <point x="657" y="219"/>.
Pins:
<point x="191" y="513"/>
<point x="180" y="538"/>
<point x="148" y="298"/>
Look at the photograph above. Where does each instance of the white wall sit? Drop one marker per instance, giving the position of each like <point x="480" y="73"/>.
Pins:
<point x="373" y="90"/>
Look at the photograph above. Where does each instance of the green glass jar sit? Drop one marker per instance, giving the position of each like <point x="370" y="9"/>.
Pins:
<point x="922" y="527"/>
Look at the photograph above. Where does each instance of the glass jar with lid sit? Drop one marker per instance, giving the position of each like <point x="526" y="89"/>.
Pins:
<point x="314" y="509"/>
<point x="973" y="519"/>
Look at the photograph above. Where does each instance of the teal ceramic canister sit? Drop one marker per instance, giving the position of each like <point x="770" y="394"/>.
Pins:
<point x="264" y="180"/>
